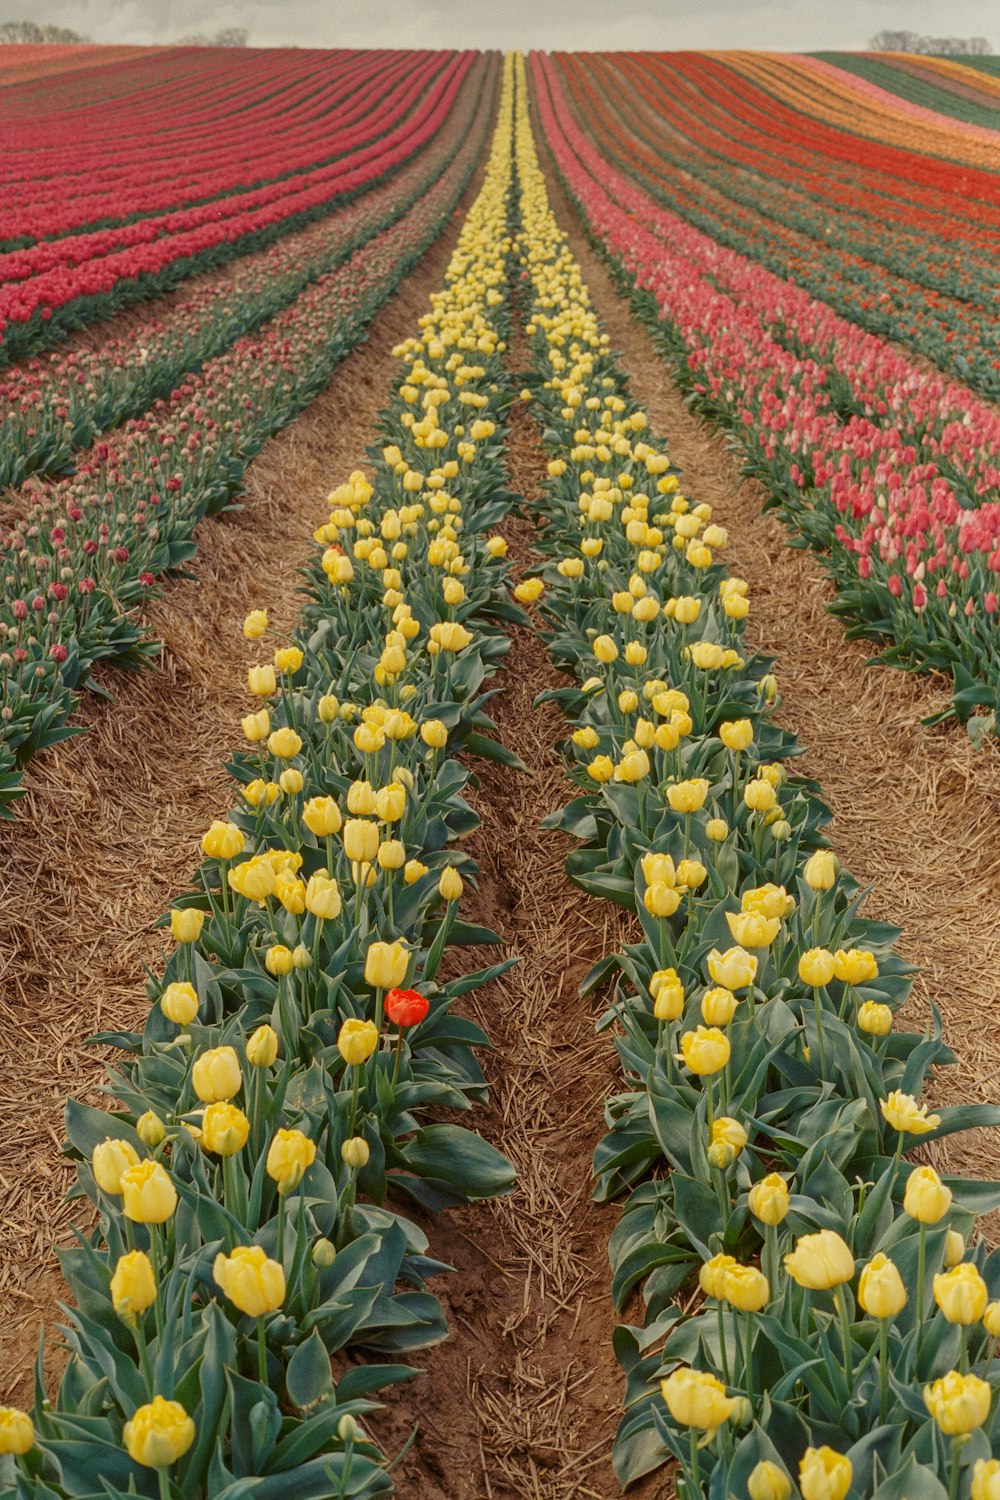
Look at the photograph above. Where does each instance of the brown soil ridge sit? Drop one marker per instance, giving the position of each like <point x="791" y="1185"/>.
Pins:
<point x="915" y="808"/>
<point x="110" y="827"/>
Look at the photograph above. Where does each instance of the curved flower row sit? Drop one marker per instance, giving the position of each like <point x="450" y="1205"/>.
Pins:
<point x="846" y="1340"/>
<point x="58" y="285"/>
<point x="886" y="468"/>
<point x="78" y="564"/>
<point x="303" y="1025"/>
<point x="51" y="406"/>
<point x="696" y="138"/>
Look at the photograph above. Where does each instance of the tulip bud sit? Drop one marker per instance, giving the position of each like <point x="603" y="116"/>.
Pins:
<point x="717" y="829"/>
<point x="150" y="1129"/>
<point x="880" y="1288"/>
<point x="874" y="1019"/>
<point x="110" y="1160"/>
<point x="179" y="1002"/>
<point x="768" y="1482"/>
<point x="954" y="1249"/>
<point x="356" y="1152"/>
<point x="262" y="1047"/>
<point x="768" y="1199"/>
<point x="348" y="1430"/>
<point x="824" y="1474"/>
<point x="821" y="870"/>
<point x="323" y="1254"/>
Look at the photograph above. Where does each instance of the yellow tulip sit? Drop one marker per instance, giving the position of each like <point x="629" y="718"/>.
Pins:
<point x="322" y="816"/>
<point x="705" y="1050"/>
<point x="158" y="1434"/>
<point x="357" y="1040"/>
<point x="390" y="802"/>
<point x="751" y="929"/>
<point x="355" y="1152"/>
<point x="361" y="799"/>
<point x="224" y="1129"/>
<point x="450" y="884"/>
<point x="986" y="1479"/>
<point x="222" y="841"/>
<point x="746" y="1288"/>
<point x="961" y="1294"/>
<point x="133" y="1285"/>
<point x="736" y="735"/>
<point x="717" y="829"/>
<point x="261" y="680"/>
<point x="660" y="899"/>
<point x="605" y="649"/>
<point x="255" y="624"/>
<point x="434" y="734"/>
<point x="17" y="1433"/>
<point x="816" y="967"/>
<point x="688" y="796"/>
<point x="386" y="965"/>
<point x="958" y="1403"/>
<point x="824" y="1474"/>
<point x="252" y="1283"/>
<point x="288" y="659"/>
<point x="735" y="968"/>
<point x="361" y="841"/>
<point x="289" y="1157"/>
<point x="926" y="1198"/>
<point x="874" y="1019"/>
<point x="821" y="870"/>
<point x="880" y="1288"/>
<point x="262" y="1047"/>
<point x="284" y="743"/>
<point x="718" y="1006"/>
<point x="856" y="966"/>
<point x="256" y="727"/>
<point x="148" y="1195"/>
<point x="768" y="1199"/>
<point x="712" y="1275"/>
<point x="759" y="795"/>
<point x="903" y="1113"/>
<point x="820" y="1261"/>
<point x="186" y="924"/>
<point x="216" y="1075"/>
<point x="668" y="995"/>
<point x="695" y="1398"/>
<point x="768" y="1482"/>
<point x="179" y="1002"/>
<point x="110" y="1160"/>
<point x="150" y="1129"/>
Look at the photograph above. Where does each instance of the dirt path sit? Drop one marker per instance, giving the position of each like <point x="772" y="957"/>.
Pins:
<point x="522" y="1400"/>
<point x="111" y="825"/>
<point x="916" y="809"/>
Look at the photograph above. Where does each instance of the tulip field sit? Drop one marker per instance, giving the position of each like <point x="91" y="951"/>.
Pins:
<point x="504" y="1086"/>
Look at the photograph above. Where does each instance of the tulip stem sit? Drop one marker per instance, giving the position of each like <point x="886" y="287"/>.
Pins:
<point x="154" y="1255"/>
<point x="140" y="1344"/>
<point x="164" y="1481"/>
<point x="817" y="1003"/>
<point x="709" y="1112"/>
<point x="695" y="1488"/>
<point x="748" y="1356"/>
<point x="771" y="1257"/>
<point x="723" y="1343"/>
<point x="956" y="1448"/>
<point x="883" y="1368"/>
<point x="354" y="1098"/>
<point x="399" y="1054"/>
<point x="281" y="1229"/>
<point x="261" y="1350"/>
<point x="921" y="1270"/>
<point x="845" y="1335"/>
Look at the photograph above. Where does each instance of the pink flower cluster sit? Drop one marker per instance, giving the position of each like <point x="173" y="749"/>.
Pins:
<point x="900" y="464"/>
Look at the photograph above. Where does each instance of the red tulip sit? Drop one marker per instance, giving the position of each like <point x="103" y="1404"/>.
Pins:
<point x="406" y="1007"/>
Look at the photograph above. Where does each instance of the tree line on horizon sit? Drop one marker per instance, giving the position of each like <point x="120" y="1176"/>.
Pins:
<point x="30" y="31"/>
<point x="940" y="46"/>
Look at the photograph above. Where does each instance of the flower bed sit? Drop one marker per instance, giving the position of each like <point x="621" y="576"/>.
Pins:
<point x="845" y="1341"/>
<point x="887" y="469"/>
<point x="76" y="567"/>
<point x="302" y="1028"/>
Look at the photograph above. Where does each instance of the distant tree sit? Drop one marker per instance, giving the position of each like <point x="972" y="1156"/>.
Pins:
<point x="28" y="31"/>
<point x="942" y="46"/>
<point x="231" y="36"/>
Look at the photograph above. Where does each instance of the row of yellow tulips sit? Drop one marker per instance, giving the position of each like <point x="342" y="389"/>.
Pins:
<point x="302" y="1027"/>
<point x="846" y="1341"/>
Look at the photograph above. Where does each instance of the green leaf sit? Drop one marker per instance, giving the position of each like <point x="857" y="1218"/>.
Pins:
<point x="308" y="1377"/>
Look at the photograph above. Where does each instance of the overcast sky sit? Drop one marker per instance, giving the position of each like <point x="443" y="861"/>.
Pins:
<point x="788" y="25"/>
